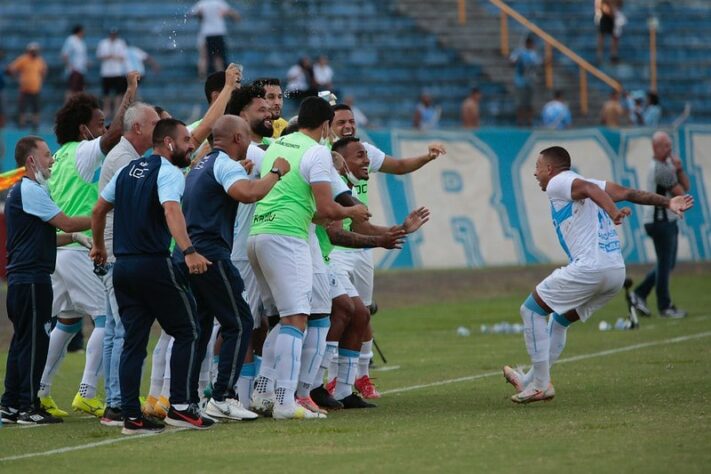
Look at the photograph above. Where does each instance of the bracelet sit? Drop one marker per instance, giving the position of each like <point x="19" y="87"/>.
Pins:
<point x="188" y="251"/>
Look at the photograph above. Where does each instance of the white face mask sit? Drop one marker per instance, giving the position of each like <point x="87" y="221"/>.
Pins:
<point x="41" y="176"/>
<point x="351" y="177"/>
<point x="89" y="132"/>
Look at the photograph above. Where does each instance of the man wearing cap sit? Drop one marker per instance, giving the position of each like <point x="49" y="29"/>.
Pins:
<point x="30" y="71"/>
<point x="112" y="53"/>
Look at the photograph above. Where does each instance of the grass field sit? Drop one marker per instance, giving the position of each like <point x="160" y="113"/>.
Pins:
<point x="627" y="401"/>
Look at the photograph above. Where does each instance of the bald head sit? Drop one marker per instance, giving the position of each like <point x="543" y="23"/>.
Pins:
<point x="661" y="145"/>
<point x="231" y="134"/>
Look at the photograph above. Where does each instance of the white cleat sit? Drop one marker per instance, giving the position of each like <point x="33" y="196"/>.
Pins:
<point x="294" y="412"/>
<point x="532" y="394"/>
<point x="514" y="377"/>
<point x="262" y="403"/>
<point x="229" y="409"/>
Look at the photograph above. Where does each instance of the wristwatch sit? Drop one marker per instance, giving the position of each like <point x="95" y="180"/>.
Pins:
<point x="276" y="171"/>
<point x="188" y="251"/>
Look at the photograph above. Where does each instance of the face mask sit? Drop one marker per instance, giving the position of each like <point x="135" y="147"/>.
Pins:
<point x="41" y="176"/>
<point x="351" y="178"/>
<point x="89" y="132"/>
<point x="324" y="138"/>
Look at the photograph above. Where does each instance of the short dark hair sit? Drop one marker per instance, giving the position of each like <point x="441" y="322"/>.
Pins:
<point x="267" y="81"/>
<point x="77" y="111"/>
<point x="159" y="110"/>
<point x="24" y="148"/>
<point x="338" y="107"/>
<point x="77" y="29"/>
<point x="557" y="156"/>
<point x="653" y="98"/>
<point x="313" y="112"/>
<point x="342" y="143"/>
<point x="165" y="128"/>
<point x="558" y="94"/>
<point x="214" y="83"/>
<point x="243" y="97"/>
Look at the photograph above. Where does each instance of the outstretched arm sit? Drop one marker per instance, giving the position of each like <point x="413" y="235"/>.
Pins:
<point x="677" y="204"/>
<point x="345" y="238"/>
<point x="408" y="165"/>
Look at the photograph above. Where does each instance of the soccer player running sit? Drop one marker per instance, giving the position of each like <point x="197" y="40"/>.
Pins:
<point x="32" y="220"/>
<point x="84" y="141"/>
<point x="359" y="263"/>
<point x="278" y="249"/>
<point x="584" y="215"/>
<point x="213" y="189"/>
<point x="145" y="196"/>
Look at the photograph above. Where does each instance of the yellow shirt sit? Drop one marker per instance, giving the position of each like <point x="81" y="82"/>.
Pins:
<point x="31" y="72"/>
<point x="278" y="126"/>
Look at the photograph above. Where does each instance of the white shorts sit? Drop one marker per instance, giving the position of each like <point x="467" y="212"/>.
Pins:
<point x="581" y="289"/>
<point x="341" y="266"/>
<point x="321" y="294"/>
<point x="363" y="275"/>
<point x="75" y="285"/>
<point x="251" y="290"/>
<point x="284" y="272"/>
<point x="334" y="285"/>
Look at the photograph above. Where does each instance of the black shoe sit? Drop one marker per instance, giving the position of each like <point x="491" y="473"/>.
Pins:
<point x="188" y="418"/>
<point x="37" y="416"/>
<point x="354" y="401"/>
<point x="8" y="415"/>
<point x="141" y="425"/>
<point x="672" y="312"/>
<point x="324" y="399"/>
<point x="112" y="417"/>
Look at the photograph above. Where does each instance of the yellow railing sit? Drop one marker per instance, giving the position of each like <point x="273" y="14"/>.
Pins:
<point x="550" y="42"/>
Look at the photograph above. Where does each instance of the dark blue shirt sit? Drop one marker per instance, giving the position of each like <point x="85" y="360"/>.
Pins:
<point x="138" y="192"/>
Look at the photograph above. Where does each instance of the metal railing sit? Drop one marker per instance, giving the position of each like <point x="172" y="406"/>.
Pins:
<point x="584" y="67"/>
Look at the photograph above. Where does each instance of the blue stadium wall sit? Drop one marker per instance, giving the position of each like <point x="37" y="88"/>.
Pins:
<point x="487" y="208"/>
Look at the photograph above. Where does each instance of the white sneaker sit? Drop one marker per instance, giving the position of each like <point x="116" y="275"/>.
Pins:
<point x="294" y="412"/>
<point x="533" y="394"/>
<point x="230" y="409"/>
<point x="239" y="411"/>
<point x="514" y="377"/>
<point x="262" y="403"/>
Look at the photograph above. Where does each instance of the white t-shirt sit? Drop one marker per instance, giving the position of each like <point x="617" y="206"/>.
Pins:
<point x="245" y="212"/>
<point x="375" y="155"/>
<point x="323" y="75"/>
<point x="585" y="231"/>
<point x="213" y="17"/>
<point x="75" y="50"/>
<point x="115" y="66"/>
<point x="89" y="158"/>
<point x="316" y="164"/>
<point x="134" y="60"/>
<point x="296" y="79"/>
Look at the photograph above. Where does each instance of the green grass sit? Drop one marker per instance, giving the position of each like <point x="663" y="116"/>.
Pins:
<point x="643" y="410"/>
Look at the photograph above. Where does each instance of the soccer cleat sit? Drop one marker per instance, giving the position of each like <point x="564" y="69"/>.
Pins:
<point x="50" y="406"/>
<point x="112" y="417"/>
<point x="354" y="401"/>
<point x="91" y="406"/>
<point x="141" y="425"/>
<point x="188" y="418"/>
<point x="37" y="416"/>
<point x="161" y="407"/>
<point x="640" y="304"/>
<point x="533" y="394"/>
<point x="309" y="404"/>
<point x="672" y="312"/>
<point x="8" y="415"/>
<point x="324" y="399"/>
<point x="262" y="403"/>
<point x="514" y="377"/>
<point x="331" y="386"/>
<point x="230" y="409"/>
<point x="366" y="387"/>
<point x="294" y="412"/>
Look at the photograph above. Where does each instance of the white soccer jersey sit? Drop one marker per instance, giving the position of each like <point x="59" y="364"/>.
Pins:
<point x="245" y="211"/>
<point x="585" y="231"/>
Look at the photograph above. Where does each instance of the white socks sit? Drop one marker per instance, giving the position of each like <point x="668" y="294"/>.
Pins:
<point x="557" y="331"/>
<point x="58" y="341"/>
<point x="347" y="371"/>
<point x="535" y="333"/>
<point x="312" y="353"/>
<point x="330" y="356"/>
<point x="366" y="354"/>
<point x="158" y="364"/>
<point x="288" y="363"/>
<point x="245" y="382"/>
<point x="94" y="357"/>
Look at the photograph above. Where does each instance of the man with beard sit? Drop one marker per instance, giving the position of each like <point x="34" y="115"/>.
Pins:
<point x="146" y="196"/>
<point x="358" y="264"/>
<point x="275" y="99"/>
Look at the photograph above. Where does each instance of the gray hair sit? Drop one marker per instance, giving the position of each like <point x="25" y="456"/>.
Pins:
<point x="134" y="114"/>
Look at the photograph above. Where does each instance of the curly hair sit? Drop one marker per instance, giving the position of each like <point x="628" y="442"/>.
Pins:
<point x="77" y="111"/>
<point x="242" y="97"/>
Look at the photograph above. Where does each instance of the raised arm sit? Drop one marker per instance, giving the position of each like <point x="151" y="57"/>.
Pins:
<point x="408" y="165"/>
<point x="217" y="109"/>
<point x="113" y="134"/>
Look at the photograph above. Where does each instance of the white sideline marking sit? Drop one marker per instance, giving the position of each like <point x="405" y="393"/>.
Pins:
<point x="592" y="355"/>
<point x="386" y="368"/>
<point x="633" y="347"/>
<point x="87" y="446"/>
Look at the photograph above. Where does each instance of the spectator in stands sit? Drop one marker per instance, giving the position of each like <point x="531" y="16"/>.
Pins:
<point x="300" y="81"/>
<point x="76" y="61"/>
<point x="556" y="113"/>
<point x="212" y="14"/>
<point x="612" y="113"/>
<point x="470" y="112"/>
<point x="527" y="62"/>
<point x="323" y="74"/>
<point x="360" y="119"/>
<point x="653" y="111"/>
<point x="136" y="59"/>
<point x="427" y="114"/>
<point x="112" y="54"/>
<point x="30" y="70"/>
<point x="635" y="105"/>
<point x="605" y="14"/>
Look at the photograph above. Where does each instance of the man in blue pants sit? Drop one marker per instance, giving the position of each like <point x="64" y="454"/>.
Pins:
<point x="32" y="220"/>
<point x="145" y="196"/>
<point x="213" y="189"/>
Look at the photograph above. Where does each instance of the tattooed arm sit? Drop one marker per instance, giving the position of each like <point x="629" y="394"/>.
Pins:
<point x="345" y="238"/>
<point x="677" y="204"/>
